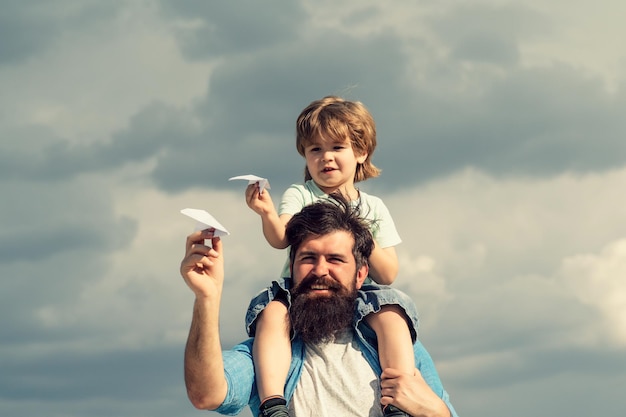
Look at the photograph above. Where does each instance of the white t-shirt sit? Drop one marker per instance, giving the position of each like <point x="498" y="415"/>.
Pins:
<point x="336" y="381"/>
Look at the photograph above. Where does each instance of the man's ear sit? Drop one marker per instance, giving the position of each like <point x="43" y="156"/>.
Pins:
<point x="361" y="274"/>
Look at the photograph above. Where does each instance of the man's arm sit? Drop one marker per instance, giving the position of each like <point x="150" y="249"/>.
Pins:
<point x="203" y="271"/>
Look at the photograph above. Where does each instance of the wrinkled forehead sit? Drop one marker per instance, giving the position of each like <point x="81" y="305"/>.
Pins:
<point x="338" y="242"/>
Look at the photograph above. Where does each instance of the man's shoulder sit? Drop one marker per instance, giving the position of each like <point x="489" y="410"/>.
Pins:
<point x="244" y="347"/>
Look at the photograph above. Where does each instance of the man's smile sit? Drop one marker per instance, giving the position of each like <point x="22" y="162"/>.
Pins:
<point x="319" y="286"/>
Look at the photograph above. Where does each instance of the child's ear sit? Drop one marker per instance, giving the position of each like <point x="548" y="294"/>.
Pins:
<point x="361" y="158"/>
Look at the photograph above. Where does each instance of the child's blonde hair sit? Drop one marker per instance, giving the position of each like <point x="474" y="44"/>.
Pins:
<point x="334" y="118"/>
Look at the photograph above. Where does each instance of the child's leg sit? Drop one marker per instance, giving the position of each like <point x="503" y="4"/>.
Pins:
<point x="395" y="345"/>
<point x="272" y="350"/>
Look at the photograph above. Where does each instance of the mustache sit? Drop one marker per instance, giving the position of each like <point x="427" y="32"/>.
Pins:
<point x="314" y="281"/>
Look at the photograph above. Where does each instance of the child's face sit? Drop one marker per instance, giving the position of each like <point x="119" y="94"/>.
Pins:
<point x="332" y="164"/>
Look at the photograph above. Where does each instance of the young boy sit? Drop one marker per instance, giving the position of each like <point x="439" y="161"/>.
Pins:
<point x="337" y="138"/>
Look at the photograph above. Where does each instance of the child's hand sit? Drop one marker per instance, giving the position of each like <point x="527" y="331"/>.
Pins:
<point x="260" y="203"/>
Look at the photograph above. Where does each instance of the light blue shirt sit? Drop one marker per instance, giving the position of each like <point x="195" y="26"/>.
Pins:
<point x="239" y="371"/>
<point x="372" y="208"/>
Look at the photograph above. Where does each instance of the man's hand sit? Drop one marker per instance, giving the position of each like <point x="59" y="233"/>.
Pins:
<point x="202" y="268"/>
<point x="411" y="394"/>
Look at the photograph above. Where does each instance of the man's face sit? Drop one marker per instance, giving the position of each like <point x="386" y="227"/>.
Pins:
<point x="325" y="283"/>
<point x="325" y="265"/>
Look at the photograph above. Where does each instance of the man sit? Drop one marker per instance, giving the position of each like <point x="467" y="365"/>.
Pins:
<point x="334" y="361"/>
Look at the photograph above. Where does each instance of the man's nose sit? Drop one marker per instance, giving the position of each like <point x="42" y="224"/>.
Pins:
<point x="321" y="268"/>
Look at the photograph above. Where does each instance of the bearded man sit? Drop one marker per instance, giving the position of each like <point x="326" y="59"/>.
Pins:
<point x="334" y="369"/>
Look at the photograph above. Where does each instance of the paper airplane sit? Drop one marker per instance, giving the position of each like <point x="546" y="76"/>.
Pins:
<point x="205" y="221"/>
<point x="263" y="182"/>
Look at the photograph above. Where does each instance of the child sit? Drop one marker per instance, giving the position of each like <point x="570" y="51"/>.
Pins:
<point x="337" y="138"/>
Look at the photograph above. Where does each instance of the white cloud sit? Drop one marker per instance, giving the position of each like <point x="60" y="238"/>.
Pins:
<point x="485" y="251"/>
<point x="141" y="300"/>
<point x="584" y="35"/>
<point x="599" y="280"/>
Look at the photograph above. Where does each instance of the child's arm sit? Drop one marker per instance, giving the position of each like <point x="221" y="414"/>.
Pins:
<point x="383" y="263"/>
<point x="273" y="225"/>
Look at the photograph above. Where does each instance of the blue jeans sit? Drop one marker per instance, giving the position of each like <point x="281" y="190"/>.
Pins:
<point x="371" y="297"/>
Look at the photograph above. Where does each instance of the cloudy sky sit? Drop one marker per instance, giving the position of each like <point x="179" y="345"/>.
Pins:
<point x="501" y="139"/>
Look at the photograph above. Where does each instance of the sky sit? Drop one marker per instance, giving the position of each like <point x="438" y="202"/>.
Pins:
<point x="500" y="138"/>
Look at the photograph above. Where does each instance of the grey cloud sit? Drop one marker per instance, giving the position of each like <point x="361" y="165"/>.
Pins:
<point x="434" y="118"/>
<point x="77" y="383"/>
<point x="246" y="123"/>
<point x="22" y="38"/>
<point x="488" y="33"/>
<point x="532" y="122"/>
<point x="60" y="238"/>
<point x="551" y="362"/>
<point x="28" y="28"/>
<point x="36" y="154"/>
<point x="485" y="48"/>
<point x="518" y="320"/>
<point x="573" y="381"/>
<point x="54" y="241"/>
<point x="230" y="28"/>
<point x="53" y="221"/>
<point x="122" y="374"/>
<point x="529" y="122"/>
<point x="252" y="107"/>
<point x="572" y="392"/>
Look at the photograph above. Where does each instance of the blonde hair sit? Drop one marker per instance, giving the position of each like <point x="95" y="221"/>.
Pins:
<point x="337" y="119"/>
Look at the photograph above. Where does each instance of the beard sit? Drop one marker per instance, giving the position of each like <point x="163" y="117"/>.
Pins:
<point x="316" y="318"/>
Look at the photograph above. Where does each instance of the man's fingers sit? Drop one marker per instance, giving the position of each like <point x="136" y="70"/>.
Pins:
<point x="191" y="262"/>
<point x="198" y="237"/>
<point x="389" y="373"/>
<point x="200" y="260"/>
<point x="216" y="243"/>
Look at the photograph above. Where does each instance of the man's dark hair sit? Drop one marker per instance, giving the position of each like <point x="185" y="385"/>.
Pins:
<point x="328" y="216"/>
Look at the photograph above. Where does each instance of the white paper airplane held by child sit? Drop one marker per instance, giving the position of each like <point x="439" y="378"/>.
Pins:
<point x="252" y="179"/>
<point x="205" y="221"/>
